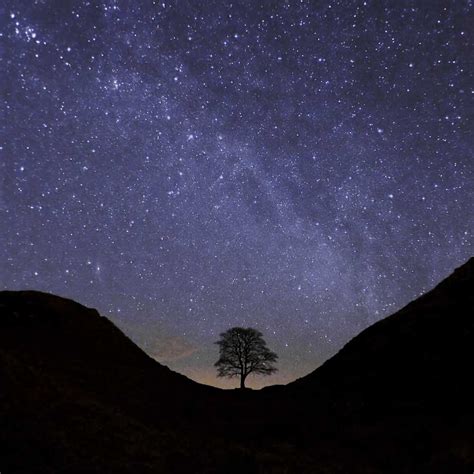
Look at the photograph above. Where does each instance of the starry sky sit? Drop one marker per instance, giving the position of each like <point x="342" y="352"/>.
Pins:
<point x="302" y="167"/>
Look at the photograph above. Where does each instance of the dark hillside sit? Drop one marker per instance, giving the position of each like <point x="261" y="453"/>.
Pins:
<point x="421" y="353"/>
<point x="77" y="396"/>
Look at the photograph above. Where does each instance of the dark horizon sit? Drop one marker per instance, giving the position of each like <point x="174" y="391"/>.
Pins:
<point x="396" y="399"/>
<point x="231" y="384"/>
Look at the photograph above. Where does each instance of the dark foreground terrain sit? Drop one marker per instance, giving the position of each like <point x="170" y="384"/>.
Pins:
<point x="77" y="396"/>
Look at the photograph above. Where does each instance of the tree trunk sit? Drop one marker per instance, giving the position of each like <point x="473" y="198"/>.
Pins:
<point x="242" y="381"/>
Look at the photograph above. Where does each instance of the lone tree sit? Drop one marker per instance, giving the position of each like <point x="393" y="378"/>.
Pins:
<point x="243" y="351"/>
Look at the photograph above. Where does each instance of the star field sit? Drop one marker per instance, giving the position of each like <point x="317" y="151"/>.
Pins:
<point x="301" y="167"/>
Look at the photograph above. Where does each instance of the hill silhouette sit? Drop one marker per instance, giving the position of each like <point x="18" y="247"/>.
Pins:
<point x="76" y="396"/>
<point x="423" y="347"/>
<point x="403" y="387"/>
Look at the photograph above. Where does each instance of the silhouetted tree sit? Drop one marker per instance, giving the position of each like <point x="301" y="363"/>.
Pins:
<point x="243" y="351"/>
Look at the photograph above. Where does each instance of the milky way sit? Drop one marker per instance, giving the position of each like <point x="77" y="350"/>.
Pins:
<point x="302" y="167"/>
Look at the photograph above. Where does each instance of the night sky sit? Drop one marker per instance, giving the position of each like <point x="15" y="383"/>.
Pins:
<point x="302" y="167"/>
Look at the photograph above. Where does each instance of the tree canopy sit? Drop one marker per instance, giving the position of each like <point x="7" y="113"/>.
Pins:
<point x="243" y="351"/>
